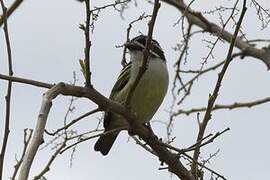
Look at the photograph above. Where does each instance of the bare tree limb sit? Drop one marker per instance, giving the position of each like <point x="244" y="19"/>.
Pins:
<point x="26" y="81"/>
<point x="164" y="154"/>
<point x="198" y="19"/>
<point x="39" y="130"/>
<point x="213" y="97"/>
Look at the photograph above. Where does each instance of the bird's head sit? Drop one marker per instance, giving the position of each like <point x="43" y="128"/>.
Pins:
<point x="137" y="45"/>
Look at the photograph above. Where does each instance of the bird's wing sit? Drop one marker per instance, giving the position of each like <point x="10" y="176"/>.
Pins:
<point x="121" y="82"/>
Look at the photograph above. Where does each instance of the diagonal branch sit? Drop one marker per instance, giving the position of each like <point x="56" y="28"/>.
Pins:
<point x="213" y="97"/>
<point x="145" y="52"/>
<point x="47" y="167"/>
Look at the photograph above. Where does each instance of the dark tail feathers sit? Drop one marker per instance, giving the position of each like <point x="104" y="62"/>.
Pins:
<point x="104" y="143"/>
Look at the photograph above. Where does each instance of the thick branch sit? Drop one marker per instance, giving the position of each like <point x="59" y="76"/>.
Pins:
<point x="198" y="19"/>
<point x="164" y="154"/>
<point x="39" y="130"/>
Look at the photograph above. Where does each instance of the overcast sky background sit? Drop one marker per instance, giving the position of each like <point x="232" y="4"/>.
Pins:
<point x="46" y="45"/>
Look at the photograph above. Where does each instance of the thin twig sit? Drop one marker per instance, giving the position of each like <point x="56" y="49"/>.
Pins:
<point x="141" y="17"/>
<point x="203" y="166"/>
<point x="109" y="5"/>
<point x="197" y="144"/>
<point x="47" y="167"/>
<point x="91" y="137"/>
<point x="74" y="121"/>
<point x="144" y="146"/>
<point x="225" y="106"/>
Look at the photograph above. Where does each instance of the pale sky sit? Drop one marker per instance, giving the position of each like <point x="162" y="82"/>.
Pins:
<point x="46" y="45"/>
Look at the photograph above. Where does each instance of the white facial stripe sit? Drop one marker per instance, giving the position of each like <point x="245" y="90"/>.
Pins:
<point x="152" y="52"/>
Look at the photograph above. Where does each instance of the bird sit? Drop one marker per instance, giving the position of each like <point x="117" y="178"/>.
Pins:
<point x="147" y="96"/>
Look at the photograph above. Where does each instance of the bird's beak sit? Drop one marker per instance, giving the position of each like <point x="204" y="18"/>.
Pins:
<point x="130" y="45"/>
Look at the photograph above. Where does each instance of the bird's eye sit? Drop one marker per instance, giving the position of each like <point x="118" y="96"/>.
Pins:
<point x="142" y="41"/>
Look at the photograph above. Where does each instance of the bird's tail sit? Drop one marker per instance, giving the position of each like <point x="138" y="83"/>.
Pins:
<point x="104" y="143"/>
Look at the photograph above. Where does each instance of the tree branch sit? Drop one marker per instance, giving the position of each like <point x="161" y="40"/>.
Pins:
<point x="26" y="141"/>
<point x="10" y="10"/>
<point x="87" y="45"/>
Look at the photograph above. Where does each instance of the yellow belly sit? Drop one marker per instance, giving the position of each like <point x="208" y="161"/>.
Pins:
<point x="147" y="96"/>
